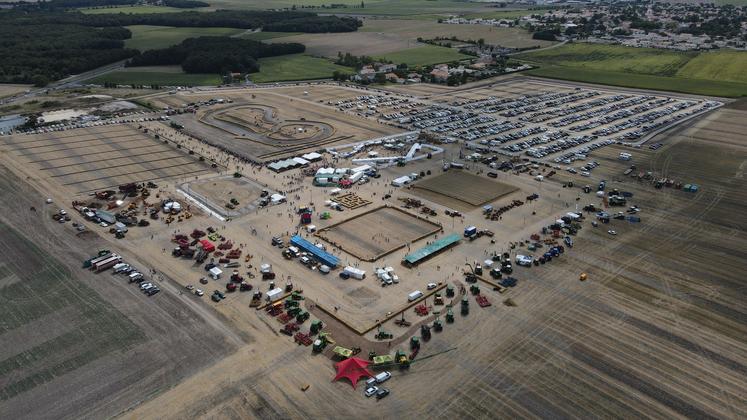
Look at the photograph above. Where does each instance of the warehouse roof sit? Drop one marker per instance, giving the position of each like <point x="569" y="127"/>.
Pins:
<point x="435" y="247"/>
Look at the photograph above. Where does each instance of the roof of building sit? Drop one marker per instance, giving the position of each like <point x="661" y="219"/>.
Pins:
<point x="436" y="246"/>
<point x="322" y="255"/>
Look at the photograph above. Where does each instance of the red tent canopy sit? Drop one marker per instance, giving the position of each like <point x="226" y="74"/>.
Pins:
<point x="207" y="245"/>
<point x="353" y="369"/>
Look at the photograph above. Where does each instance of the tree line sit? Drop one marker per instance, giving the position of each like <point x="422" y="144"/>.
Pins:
<point x="39" y="44"/>
<point x="38" y="54"/>
<point x="215" y="54"/>
<point x="281" y="21"/>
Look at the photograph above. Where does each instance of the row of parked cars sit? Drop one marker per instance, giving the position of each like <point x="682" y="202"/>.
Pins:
<point x="90" y="123"/>
<point x="373" y="388"/>
<point x="134" y="276"/>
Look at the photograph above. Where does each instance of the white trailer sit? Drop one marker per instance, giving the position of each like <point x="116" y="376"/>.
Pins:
<point x="274" y="294"/>
<point x="355" y="273"/>
<point x="414" y="295"/>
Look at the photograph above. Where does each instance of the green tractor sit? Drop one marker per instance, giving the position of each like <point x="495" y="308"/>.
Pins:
<point x="383" y="335"/>
<point x="290" y="303"/>
<point x="438" y="326"/>
<point x="316" y="326"/>
<point x="402" y="359"/>
<point x="301" y="317"/>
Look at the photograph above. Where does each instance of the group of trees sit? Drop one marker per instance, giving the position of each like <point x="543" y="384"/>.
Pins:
<point x="41" y="53"/>
<point x="40" y="43"/>
<point x="315" y="24"/>
<point x="69" y="4"/>
<point x="350" y="60"/>
<point x="546" y="34"/>
<point x="185" y="4"/>
<point x="215" y="54"/>
<point x="283" y="21"/>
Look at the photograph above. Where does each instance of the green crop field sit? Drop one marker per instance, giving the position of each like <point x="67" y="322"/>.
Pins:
<point x="147" y="37"/>
<point x="158" y="75"/>
<point x="643" y="81"/>
<point x="262" y="35"/>
<point x="36" y="287"/>
<point x="133" y="10"/>
<point x="423" y="56"/>
<point x="613" y="58"/>
<point x="719" y="73"/>
<point x="295" y="67"/>
<point x="729" y="66"/>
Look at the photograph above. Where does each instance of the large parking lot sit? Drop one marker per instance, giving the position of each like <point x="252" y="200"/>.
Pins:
<point x="540" y="120"/>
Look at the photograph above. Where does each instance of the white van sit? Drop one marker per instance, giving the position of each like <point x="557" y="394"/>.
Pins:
<point x="118" y="268"/>
<point x="414" y="295"/>
<point x="381" y="377"/>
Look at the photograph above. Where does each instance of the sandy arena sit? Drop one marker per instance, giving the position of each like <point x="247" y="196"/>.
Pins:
<point x="467" y="189"/>
<point x="388" y="228"/>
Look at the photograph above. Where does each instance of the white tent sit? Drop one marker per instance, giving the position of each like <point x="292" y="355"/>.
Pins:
<point x="403" y="180"/>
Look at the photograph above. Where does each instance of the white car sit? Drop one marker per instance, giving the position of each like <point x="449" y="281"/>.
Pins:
<point x="371" y="391"/>
<point x="146" y="285"/>
<point x="431" y="286"/>
<point x="190" y="287"/>
<point x="199" y="292"/>
<point x="104" y="224"/>
<point x="524" y="260"/>
<point x="612" y="232"/>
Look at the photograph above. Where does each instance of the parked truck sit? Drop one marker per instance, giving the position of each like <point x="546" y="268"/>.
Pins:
<point x="107" y="263"/>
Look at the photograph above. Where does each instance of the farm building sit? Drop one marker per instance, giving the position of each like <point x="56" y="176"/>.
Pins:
<point x="323" y="256"/>
<point x="426" y="252"/>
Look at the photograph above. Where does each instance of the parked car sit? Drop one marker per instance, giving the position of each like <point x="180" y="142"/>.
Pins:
<point x="381" y="393"/>
<point x="370" y="391"/>
<point x="199" y="292"/>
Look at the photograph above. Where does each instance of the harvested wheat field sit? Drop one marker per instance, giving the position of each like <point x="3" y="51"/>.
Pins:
<point x="97" y="158"/>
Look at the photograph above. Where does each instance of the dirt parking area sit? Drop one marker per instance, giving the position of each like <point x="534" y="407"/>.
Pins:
<point x="378" y="232"/>
<point x="97" y="158"/>
<point x="462" y="186"/>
